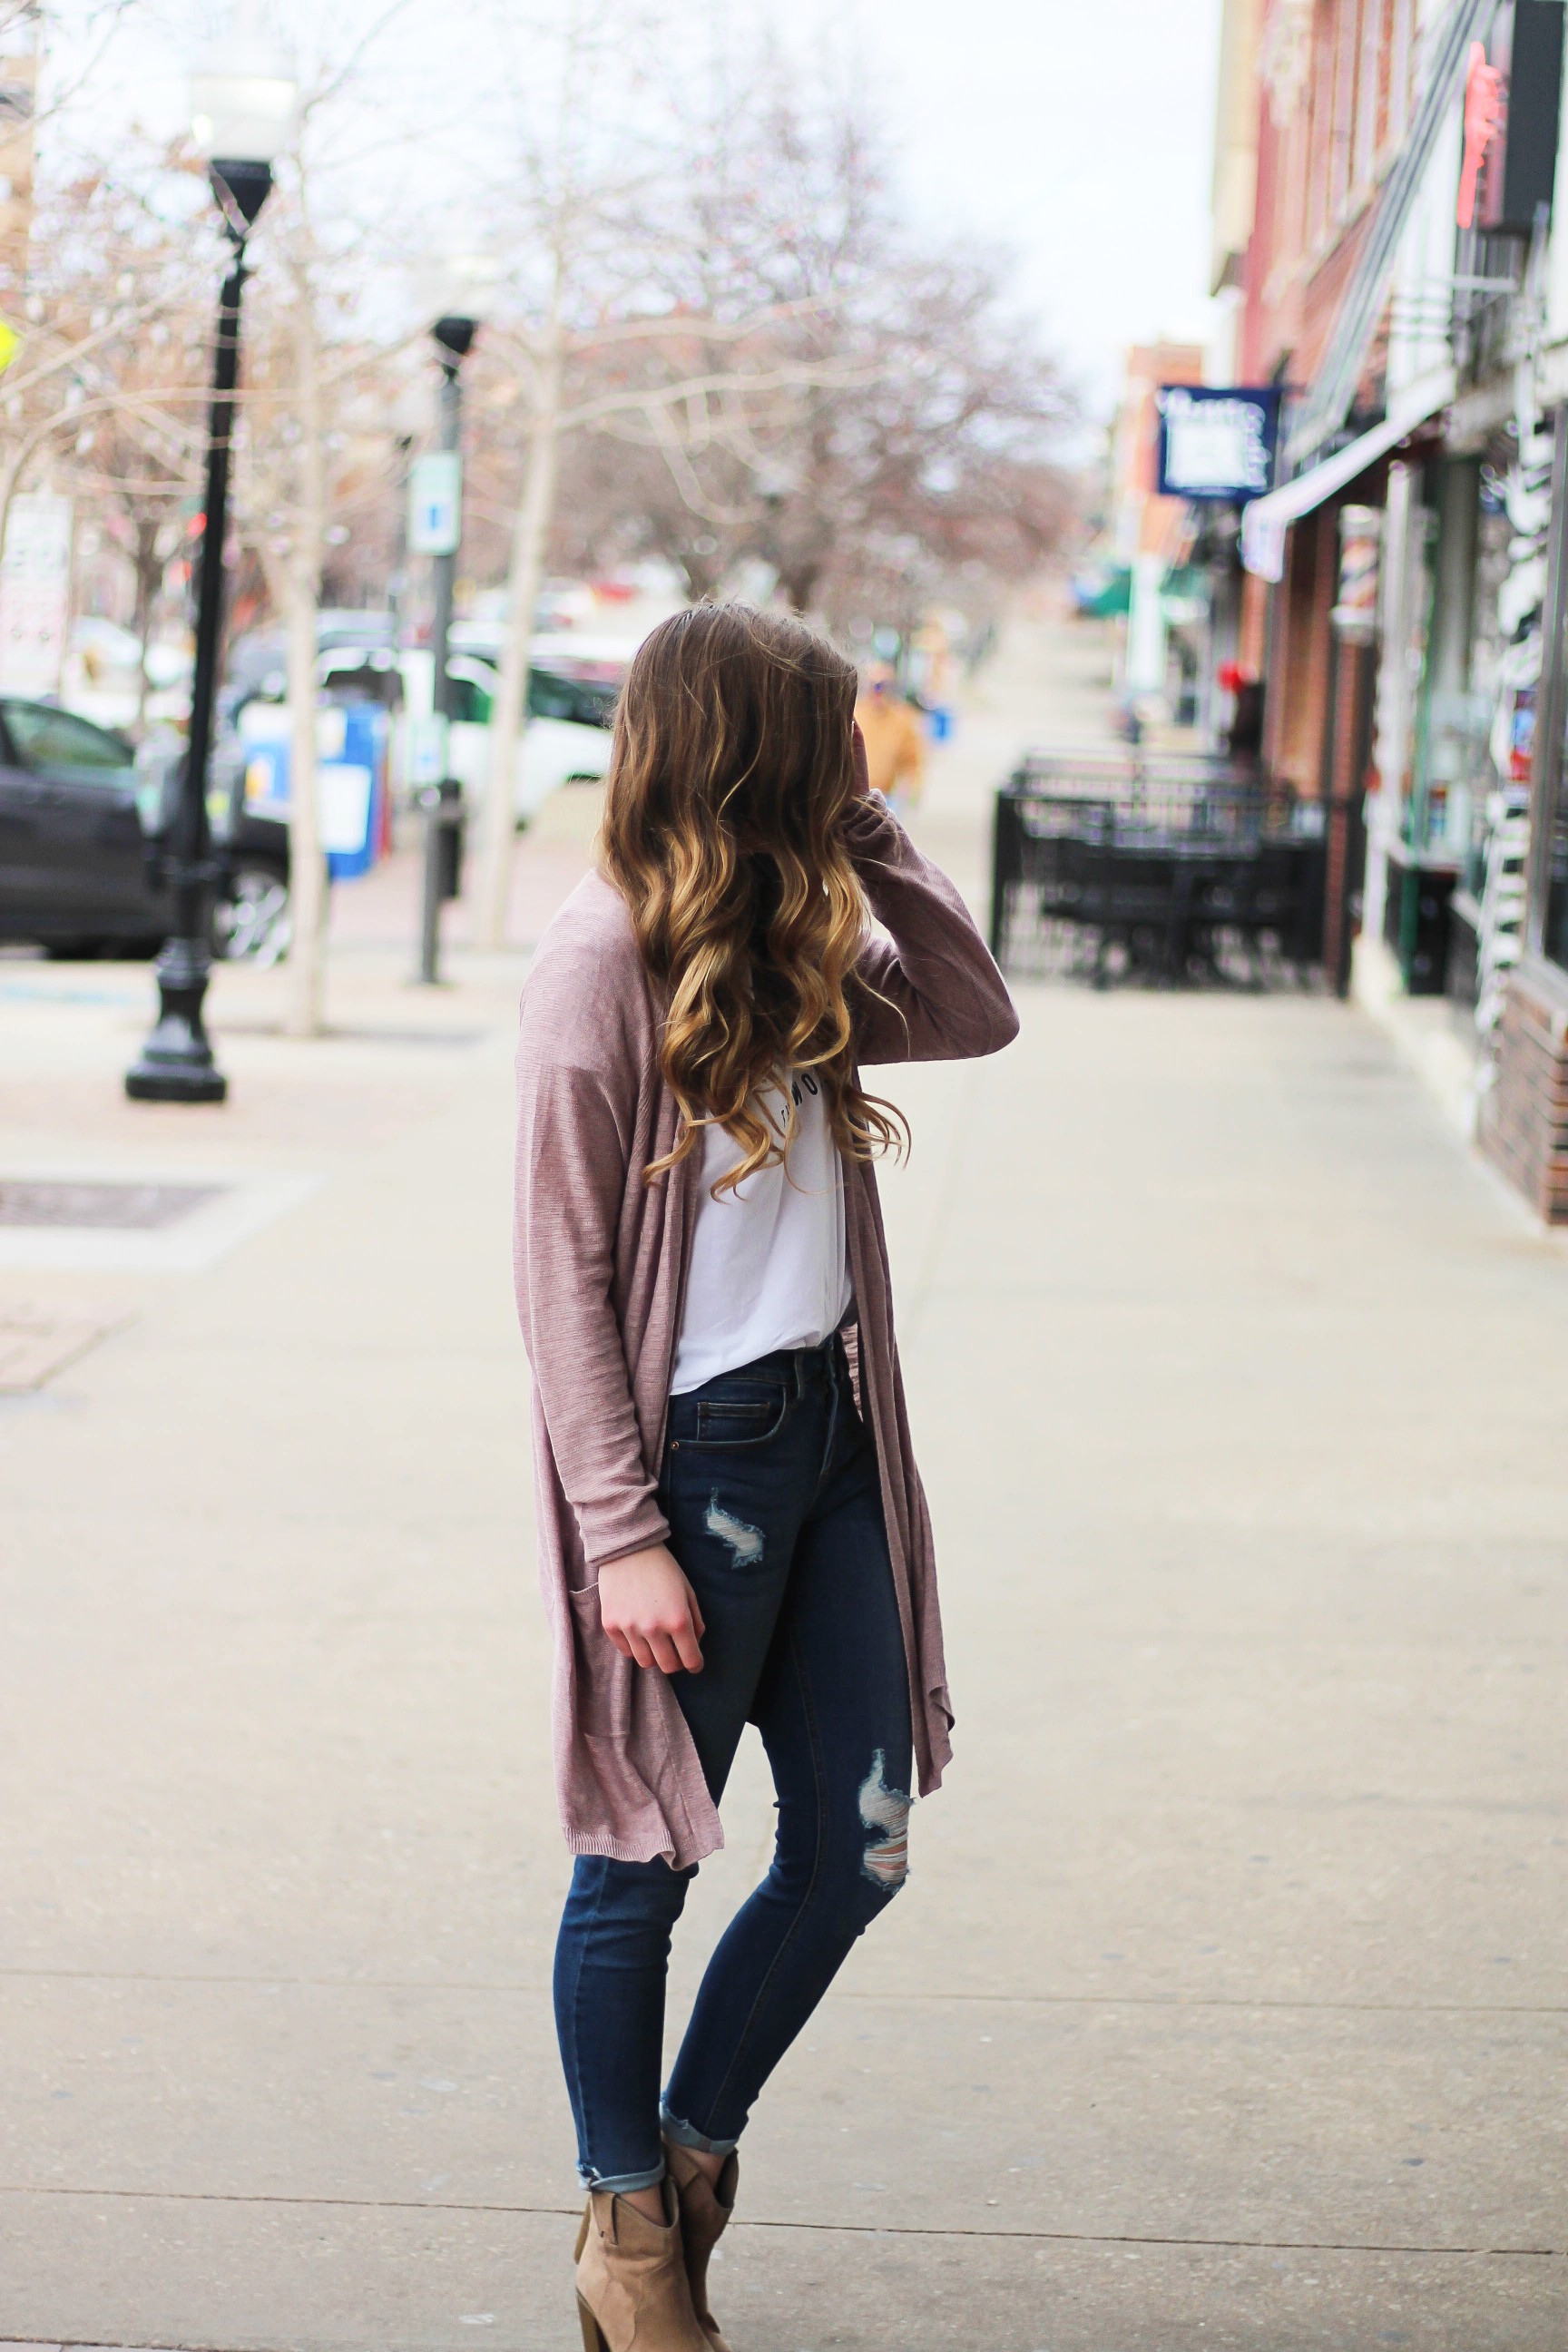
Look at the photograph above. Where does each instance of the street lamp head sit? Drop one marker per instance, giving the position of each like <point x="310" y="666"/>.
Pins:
<point x="456" y="288"/>
<point x="455" y="335"/>
<point x="241" y="188"/>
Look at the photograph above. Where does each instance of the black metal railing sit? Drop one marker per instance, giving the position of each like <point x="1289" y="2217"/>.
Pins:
<point x="1168" y="868"/>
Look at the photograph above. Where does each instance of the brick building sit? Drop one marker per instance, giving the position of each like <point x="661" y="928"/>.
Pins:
<point x="1419" y="329"/>
<point x="1149" y="534"/>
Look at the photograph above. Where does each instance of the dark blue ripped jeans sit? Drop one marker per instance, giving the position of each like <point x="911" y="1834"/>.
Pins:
<point x="771" y="1490"/>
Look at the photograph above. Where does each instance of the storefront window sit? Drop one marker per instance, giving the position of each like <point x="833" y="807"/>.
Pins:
<point x="1451" y="765"/>
<point x="1551" y="816"/>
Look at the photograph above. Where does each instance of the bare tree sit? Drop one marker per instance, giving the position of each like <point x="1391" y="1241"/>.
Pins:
<point x="930" y="452"/>
<point x="113" y="375"/>
<point x="714" y="326"/>
<point x="139" y="459"/>
<point x="316" y="448"/>
<point x="587" y="332"/>
<point x="737" y="349"/>
<point x="109" y="333"/>
<point x="316" y="441"/>
<point x="283" y="507"/>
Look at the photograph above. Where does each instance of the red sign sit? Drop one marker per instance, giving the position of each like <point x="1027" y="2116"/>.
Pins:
<point x="1483" y="120"/>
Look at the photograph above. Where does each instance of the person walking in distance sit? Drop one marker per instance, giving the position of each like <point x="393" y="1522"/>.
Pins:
<point x="895" y="744"/>
<point x="730" y="1524"/>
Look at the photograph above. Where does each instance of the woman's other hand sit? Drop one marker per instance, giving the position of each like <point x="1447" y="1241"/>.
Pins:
<point x="649" y="1612"/>
<point x="862" y="766"/>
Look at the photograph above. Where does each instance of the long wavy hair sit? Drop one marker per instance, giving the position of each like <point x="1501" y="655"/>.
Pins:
<point x="730" y="773"/>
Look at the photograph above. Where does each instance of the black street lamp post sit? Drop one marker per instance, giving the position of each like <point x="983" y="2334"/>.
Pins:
<point x="176" y="1063"/>
<point x="454" y="334"/>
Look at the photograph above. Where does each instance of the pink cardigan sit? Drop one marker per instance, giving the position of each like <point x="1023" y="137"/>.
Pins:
<point x="601" y="1260"/>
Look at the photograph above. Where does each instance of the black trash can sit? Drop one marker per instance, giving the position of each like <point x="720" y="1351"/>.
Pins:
<point x="452" y="824"/>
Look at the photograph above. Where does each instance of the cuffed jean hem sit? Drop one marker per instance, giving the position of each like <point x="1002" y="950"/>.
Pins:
<point x="620" y="2184"/>
<point x="682" y="2133"/>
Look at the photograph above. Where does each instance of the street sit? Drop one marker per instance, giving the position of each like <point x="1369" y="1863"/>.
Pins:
<point x="1225" y="2005"/>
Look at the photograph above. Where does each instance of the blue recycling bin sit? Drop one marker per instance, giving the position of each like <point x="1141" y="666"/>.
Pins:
<point x="355" y="741"/>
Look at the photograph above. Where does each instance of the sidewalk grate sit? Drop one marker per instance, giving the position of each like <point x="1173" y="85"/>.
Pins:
<point x="116" y="1208"/>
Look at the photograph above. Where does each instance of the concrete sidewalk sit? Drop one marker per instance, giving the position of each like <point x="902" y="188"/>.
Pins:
<point x="1226" y="2006"/>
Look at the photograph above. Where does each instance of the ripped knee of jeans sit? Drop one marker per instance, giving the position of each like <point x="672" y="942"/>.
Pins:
<point x="744" y="1541"/>
<point x="885" y="1861"/>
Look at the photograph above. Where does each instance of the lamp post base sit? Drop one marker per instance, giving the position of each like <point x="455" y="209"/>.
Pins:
<point x="146" y="1083"/>
<point x="176" y="1064"/>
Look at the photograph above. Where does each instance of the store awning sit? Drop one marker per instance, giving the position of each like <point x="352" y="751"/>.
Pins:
<point x="1265" y="521"/>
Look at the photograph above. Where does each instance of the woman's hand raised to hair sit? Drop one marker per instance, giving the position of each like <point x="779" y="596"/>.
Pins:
<point x="651" y="1613"/>
<point x="862" y="765"/>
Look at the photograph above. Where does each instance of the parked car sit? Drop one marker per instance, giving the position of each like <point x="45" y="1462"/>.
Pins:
<point x="84" y="817"/>
<point x="250" y="917"/>
<point x="572" y="686"/>
<point x="572" y="698"/>
<point x="79" y="869"/>
<point x="572" y="694"/>
<point x="84" y="825"/>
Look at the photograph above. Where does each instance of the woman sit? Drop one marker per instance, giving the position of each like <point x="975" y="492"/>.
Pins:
<point x="731" y="1524"/>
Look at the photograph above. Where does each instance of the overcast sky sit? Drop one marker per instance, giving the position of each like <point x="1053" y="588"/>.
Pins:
<point x="1080" y="134"/>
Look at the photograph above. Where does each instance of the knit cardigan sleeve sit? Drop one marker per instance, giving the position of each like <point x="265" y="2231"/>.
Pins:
<point x="929" y="991"/>
<point x="576" y="1114"/>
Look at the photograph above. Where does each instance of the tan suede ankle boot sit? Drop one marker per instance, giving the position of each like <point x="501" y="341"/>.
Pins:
<point x="632" y="2294"/>
<point x="705" y="2209"/>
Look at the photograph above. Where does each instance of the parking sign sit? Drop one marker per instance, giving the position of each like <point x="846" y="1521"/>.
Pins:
<point x="435" y="503"/>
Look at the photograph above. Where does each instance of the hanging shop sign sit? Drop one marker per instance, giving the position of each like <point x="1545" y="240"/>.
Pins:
<point x="1355" y="615"/>
<point x="1483" y="120"/>
<point x="35" y="592"/>
<point x="1512" y="113"/>
<point x="1217" y="442"/>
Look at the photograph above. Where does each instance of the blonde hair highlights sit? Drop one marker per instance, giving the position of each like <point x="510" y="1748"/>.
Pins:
<point x="730" y="774"/>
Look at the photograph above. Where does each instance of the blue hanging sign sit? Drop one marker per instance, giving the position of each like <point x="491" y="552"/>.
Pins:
<point x="1218" y="441"/>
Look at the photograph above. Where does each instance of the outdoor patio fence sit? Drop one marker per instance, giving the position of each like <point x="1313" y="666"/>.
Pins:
<point x="1166" y="868"/>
